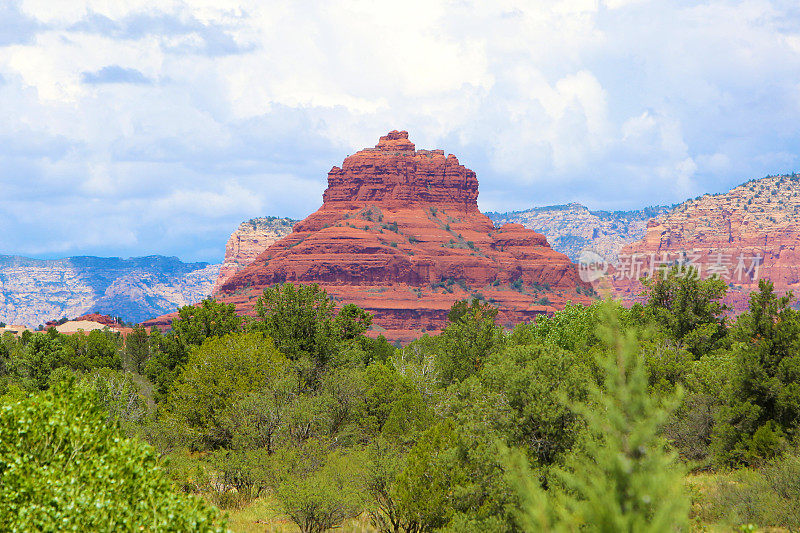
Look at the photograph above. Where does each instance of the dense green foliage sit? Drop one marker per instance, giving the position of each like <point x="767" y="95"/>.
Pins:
<point x="63" y="469"/>
<point x="583" y="420"/>
<point x="762" y="411"/>
<point x="625" y="479"/>
<point x="218" y="376"/>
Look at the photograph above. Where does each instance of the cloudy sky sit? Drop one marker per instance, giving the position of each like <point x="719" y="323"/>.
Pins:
<point x="128" y="129"/>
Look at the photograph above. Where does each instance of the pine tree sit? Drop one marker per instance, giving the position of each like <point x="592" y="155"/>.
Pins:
<point x="627" y="480"/>
<point x="763" y="408"/>
<point x="624" y="480"/>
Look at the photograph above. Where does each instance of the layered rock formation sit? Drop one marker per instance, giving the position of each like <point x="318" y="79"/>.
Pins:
<point x="399" y="234"/>
<point x="34" y="291"/>
<point x="751" y="232"/>
<point x="573" y="228"/>
<point x="248" y="241"/>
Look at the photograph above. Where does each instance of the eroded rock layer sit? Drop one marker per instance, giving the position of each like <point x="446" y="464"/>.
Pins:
<point x="248" y="241"/>
<point x="400" y="234"/>
<point x="747" y="233"/>
<point x="33" y="291"/>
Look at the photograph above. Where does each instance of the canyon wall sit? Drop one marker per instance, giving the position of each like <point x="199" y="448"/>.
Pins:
<point x="748" y="233"/>
<point x="573" y="228"/>
<point x="248" y="241"/>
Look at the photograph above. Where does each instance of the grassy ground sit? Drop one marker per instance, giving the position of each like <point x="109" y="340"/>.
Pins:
<point x="264" y="516"/>
<point x="708" y="513"/>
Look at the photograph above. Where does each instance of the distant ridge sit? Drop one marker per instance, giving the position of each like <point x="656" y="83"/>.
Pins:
<point x="572" y="228"/>
<point x="749" y="232"/>
<point x="250" y="239"/>
<point x="34" y="291"/>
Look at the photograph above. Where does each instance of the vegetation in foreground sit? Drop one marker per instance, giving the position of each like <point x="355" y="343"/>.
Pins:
<point x="666" y="416"/>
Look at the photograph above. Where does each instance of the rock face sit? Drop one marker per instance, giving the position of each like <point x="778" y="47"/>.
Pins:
<point x="751" y="232"/>
<point x="34" y="291"/>
<point x="573" y="228"/>
<point x="250" y="239"/>
<point x="399" y="234"/>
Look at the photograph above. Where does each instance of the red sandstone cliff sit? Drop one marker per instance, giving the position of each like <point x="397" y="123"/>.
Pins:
<point x="399" y="234"/>
<point x="750" y="232"/>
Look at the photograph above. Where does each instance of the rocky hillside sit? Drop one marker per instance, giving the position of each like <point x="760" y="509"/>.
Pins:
<point x="34" y="291"/>
<point x="399" y="234"/>
<point x="749" y="232"/>
<point x="250" y="239"/>
<point x="573" y="228"/>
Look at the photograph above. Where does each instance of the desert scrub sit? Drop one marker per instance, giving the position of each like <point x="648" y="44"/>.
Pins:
<point x="768" y="496"/>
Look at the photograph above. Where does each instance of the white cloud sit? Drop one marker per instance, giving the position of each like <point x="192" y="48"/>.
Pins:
<point x="618" y="4"/>
<point x="171" y="122"/>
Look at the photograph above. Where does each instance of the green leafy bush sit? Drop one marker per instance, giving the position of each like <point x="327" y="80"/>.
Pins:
<point x="218" y="373"/>
<point x="317" y="487"/>
<point x="64" y="468"/>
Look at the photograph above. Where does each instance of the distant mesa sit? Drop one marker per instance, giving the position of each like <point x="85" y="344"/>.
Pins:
<point x="82" y="324"/>
<point x="573" y="228"/>
<point x="400" y="234"/>
<point x="97" y="318"/>
<point x="71" y="327"/>
<point x="16" y="329"/>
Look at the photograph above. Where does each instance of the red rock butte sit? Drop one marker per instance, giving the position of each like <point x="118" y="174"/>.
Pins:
<point x="400" y="234"/>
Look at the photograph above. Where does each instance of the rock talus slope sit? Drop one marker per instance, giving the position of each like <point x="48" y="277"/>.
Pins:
<point x="400" y="234"/>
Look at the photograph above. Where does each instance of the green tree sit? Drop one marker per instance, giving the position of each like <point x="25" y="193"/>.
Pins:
<point x="137" y="349"/>
<point x="392" y="406"/>
<point x="259" y="419"/>
<point x="687" y="308"/>
<point x="465" y="343"/>
<point x="423" y="493"/>
<point x="220" y="371"/>
<point x="167" y="357"/>
<point x="303" y="321"/>
<point x="764" y="399"/>
<point x="194" y="324"/>
<point x="300" y="319"/>
<point x="64" y="468"/>
<point x="248" y="471"/>
<point x="210" y="319"/>
<point x="382" y="463"/>
<point x="117" y="395"/>
<point x="351" y="322"/>
<point x="540" y="385"/>
<point x="378" y="349"/>
<point x="318" y="488"/>
<point x="573" y="328"/>
<point x="40" y="356"/>
<point x="98" y="349"/>
<point x="626" y="480"/>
